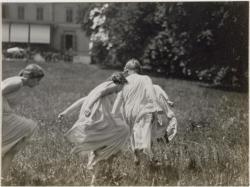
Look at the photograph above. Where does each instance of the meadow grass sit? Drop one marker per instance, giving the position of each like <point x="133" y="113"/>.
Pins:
<point x="210" y="148"/>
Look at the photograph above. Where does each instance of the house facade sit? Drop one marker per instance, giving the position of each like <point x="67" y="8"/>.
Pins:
<point x="52" y="24"/>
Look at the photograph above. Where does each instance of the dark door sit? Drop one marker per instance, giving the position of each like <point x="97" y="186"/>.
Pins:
<point x="68" y="41"/>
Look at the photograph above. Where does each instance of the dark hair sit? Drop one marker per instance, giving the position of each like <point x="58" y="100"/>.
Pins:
<point x="118" y="78"/>
<point x="32" y="71"/>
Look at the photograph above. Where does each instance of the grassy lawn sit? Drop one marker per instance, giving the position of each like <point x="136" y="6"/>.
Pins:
<point x="211" y="146"/>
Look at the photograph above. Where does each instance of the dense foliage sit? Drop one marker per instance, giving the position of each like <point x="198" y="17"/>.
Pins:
<point x="205" y="41"/>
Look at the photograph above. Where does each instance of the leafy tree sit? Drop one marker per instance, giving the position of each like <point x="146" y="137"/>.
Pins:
<point x="206" y="41"/>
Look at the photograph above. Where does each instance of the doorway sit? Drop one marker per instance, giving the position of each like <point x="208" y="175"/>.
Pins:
<point x="68" y="41"/>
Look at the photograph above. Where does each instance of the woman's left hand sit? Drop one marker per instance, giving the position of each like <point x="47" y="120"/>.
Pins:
<point x="170" y="114"/>
<point x="171" y="103"/>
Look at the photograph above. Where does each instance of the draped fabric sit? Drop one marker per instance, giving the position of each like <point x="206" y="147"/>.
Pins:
<point x="165" y="122"/>
<point x="14" y="127"/>
<point x="139" y="98"/>
<point x="102" y="132"/>
<point x="146" y="110"/>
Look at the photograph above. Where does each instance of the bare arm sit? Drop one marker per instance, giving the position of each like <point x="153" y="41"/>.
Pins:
<point x="108" y="90"/>
<point x="11" y="85"/>
<point x="164" y="95"/>
<point x="77" y="104"/>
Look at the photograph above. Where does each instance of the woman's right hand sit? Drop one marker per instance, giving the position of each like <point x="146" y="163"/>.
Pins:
<point x="61" y="116"/>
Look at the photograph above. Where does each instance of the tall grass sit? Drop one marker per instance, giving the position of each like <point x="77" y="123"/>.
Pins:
<point x="211" y="147"/>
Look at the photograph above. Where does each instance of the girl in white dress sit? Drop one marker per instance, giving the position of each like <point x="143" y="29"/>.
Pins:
<point x="98" y="133"/>
<point x="143" y="105"/>
<point x="15" y="128"/>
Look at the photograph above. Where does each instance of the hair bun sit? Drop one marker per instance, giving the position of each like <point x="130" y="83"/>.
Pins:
<point x="118" y="78"/>
<point x="32" y="71"/>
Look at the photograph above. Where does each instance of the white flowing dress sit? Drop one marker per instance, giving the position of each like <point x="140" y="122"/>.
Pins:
<point x="14" y="127"/>
<point x="139" y="103"/>
<point x="102" y="132"/>
<point x="142" y="101"/>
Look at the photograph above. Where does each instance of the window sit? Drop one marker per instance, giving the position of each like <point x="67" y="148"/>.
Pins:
<point x="69" y="15"/>
<point x="20" y="12"/>
<point x="39" y="13"/>
<point x="4" y="11"/>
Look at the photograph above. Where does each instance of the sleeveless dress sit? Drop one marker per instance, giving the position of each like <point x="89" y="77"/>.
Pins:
<point x="102" y="133"/>
<point x="14" y="126"/>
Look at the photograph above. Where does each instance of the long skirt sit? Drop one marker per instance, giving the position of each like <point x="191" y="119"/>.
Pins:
<point x="14" y="129"/>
